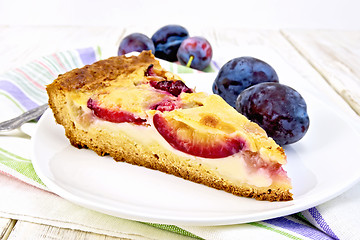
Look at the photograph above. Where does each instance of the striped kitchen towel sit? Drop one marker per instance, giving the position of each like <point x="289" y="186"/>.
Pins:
<point x="23" y="88"/>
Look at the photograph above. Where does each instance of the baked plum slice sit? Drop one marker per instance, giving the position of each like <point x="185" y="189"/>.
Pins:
<point x="174" y="87"/>
<point x="206" y="141"/>
<point x="114" y="115"/>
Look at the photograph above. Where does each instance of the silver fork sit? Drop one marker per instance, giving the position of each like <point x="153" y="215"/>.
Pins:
<point x="23" y="118"/>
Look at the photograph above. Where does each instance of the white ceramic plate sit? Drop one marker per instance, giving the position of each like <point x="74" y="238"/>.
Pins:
<point x="322" y="165"/>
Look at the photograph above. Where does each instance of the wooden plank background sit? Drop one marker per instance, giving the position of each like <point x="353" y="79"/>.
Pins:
<point x="327" y="60"/>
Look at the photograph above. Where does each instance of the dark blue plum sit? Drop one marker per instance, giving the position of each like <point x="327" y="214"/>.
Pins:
<point x="197" y="50"/>
<point x="239" y="74"/>
<point x="167" y="41"/>
<point x="135" y="42"/>
<point x="279" y="109"/>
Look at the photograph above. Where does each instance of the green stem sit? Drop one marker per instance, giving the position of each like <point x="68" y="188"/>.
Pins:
<point x="190" y="61"/>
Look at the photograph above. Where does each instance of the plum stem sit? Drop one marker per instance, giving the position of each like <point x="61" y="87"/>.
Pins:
<point x="190" y="61"/>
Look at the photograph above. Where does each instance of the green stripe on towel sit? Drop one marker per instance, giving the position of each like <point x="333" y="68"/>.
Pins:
<point x="258" y="224"/>
<point x="19" y="164"/>
<point x="174" y="229"/>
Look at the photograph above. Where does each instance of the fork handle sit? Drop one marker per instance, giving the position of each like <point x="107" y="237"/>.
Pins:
<point x="23" y="118"/>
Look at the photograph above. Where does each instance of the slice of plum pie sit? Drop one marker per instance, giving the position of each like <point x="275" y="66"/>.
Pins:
<point x="135" y="111"/>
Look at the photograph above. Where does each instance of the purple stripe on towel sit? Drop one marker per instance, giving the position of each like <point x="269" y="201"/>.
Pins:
<point x="216" y="65"/>
<point x="16" y="92"/>
<point x="298" y="228"/>
<point x="320" y="220"/>
<point x="87" y="55"/>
